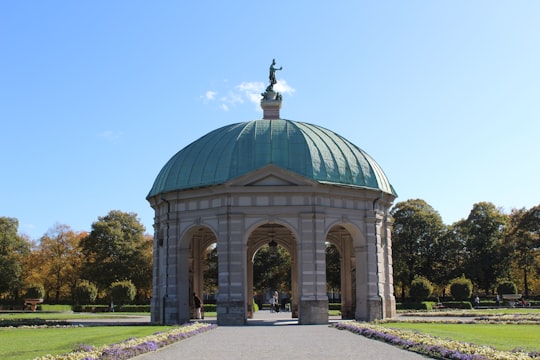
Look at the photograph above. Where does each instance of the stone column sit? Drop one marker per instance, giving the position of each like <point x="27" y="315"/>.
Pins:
<point x="362" y="285"/>
<point x="249" y="299"/>
<point x="231" y="302"/>
<point x="170" y="296"/>
<point x="294" y="282"/>
<point x="389" y="298"/>
<point x="313" y="304"/>
<point x="184" y="294"/>
<point x="347" y="311"/>
<point x="375" y="266"/>
<point x="157" y="293"/>
<point x="197" y="255"/>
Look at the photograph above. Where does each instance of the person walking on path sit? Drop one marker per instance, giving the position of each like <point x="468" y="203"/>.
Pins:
<point x="198" y="306"/>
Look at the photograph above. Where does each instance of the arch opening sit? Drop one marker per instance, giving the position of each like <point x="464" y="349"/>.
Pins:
<point x="271" y="251"/>
<point x="203" y="267"/>
<point x="341" y="271"/>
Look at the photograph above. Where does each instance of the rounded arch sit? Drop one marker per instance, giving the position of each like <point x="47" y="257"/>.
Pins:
<point x="342" y="236"/>
<point x="260" y="233"/>
<point x="204" y="230"/>
<point x="353" y="229"/>
<point x="266" y="221"/>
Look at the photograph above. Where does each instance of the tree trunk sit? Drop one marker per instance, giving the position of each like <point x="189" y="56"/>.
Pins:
<point x="525" y="283"/>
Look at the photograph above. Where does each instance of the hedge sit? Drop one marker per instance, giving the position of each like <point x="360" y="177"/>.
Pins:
<point x="58" y="308"/>
<point x="424" y="305"/>
<point x="334" y="306"/>
<point x="458" y="304"/>
<point x="106" y="308"/>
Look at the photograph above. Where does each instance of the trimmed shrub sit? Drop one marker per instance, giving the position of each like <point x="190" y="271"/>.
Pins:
<point x="85" y="293"/>
<point x="421" y="289"/>
<point x="507" y="287"/>
<point x="35" y="291"/>
<point x="133" y="308"/>
<point x="458" y="305"/>
<point x="424" y="305"/>
<point x="255" y="306"/>
<point x="461" y="289"/>
<point x="334" y="306"/>
<point x="55" y="308"/>
<point x="123" y="292"/>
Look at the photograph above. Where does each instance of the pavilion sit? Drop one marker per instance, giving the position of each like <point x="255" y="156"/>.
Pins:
<point x="296" y="184"/>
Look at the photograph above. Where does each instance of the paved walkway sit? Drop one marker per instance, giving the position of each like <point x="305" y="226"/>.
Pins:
<point x="277" y="336"/>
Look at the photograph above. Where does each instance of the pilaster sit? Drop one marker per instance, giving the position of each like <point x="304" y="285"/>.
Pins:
<point x="231" y="302"/>
<point x="313" y="303"/>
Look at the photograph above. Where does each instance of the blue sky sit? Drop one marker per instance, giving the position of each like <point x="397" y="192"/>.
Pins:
<point x="95" y="96"/>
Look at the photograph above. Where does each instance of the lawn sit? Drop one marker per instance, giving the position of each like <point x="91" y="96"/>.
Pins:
<point x="28" y="343"/>
<point x="500" y="336"/>
<point x="67" y="315"/>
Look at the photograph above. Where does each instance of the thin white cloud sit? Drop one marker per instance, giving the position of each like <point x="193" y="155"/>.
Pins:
<point x="110" y="136"/>
<point x="251" y="91"/>
<point x="283" y="87"/>
<point x="247" y="91"/>
<point x="210" y="95"/>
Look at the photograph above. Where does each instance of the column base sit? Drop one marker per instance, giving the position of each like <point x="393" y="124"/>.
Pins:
<point x="231" y="313"/>
<point x="313" y="312"/>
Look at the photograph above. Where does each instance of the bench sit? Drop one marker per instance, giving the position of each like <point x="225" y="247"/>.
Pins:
<point x="511" y="298"/>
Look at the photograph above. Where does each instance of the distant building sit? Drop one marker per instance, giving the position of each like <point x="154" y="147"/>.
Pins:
<point x="299" y="185"/>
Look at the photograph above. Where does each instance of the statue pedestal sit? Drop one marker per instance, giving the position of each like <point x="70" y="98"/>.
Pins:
<point x="271" y="104"/>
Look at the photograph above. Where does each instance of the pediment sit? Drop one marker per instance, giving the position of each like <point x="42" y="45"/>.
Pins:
<point x="271" y="175"/>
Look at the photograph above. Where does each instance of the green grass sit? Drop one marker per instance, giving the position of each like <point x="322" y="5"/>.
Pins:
<point x="29" y="343"/>
<point x="507" y="311"/>
<point x="67" y="316"/>
<point x="500" y="336"/>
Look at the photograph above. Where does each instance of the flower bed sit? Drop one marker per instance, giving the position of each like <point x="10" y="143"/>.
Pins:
<point x="31" y="323"/>
<point x="134" y="346"/>
<point x="471" y="318"/>
<point x="430" y="346"/>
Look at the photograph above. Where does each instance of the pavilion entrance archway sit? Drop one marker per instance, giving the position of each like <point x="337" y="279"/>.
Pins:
<point x="201" y="241"/>
<point x="341" y="238"/>
<point x="272" y="235"/>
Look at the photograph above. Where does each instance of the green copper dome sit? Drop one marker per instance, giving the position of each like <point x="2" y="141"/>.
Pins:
<point x="235" y="150"/>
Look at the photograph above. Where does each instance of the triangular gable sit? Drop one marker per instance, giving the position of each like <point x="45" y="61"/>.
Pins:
<point x="271" y="175"/>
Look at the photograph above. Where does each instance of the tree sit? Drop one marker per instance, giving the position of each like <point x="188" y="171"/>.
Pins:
<point x="34" y="291"/>
<point x="421" y="289"/>
<point x="461" y="288"/>
<point x="60" y="260"/>
<point x="483" y="232"/>
<point x="123" y="292"/>
<point x="116" y="250"/>
<point x="211" y="270"/>
<point x="506" y="287"/>
<point x="449" y="258"/>
<point x="333" y="268"/>
<point x="417" y="230"/>
<point x="85" y="293"/>
<point x="524" y="242"/>
<point x="272" y="272"/>
<point x="13" y="250"/>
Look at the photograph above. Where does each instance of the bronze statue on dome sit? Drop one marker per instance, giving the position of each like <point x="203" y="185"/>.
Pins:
<point x="272" y="74"/>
